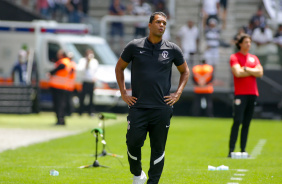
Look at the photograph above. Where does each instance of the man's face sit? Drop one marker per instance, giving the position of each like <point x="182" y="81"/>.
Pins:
<point x="60" y="54"/>
<point x="158" y="25"/>
<point x="190" y="24"/>
<point x="89" y="55"/>
<point x="212" y="25"/>
<point x="246" y="44"/>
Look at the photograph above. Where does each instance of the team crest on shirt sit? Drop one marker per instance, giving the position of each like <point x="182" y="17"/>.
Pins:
<point x="128" y="126"/>
<point x="237" y="101"/>
<point x="251" y="59"/>
<point x="165" y="54"/>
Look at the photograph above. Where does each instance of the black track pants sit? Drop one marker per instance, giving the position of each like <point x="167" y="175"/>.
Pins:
<point x="87" y="89"/>
<point x="197" y="109"/>
<point x="59" y="103"/>
<point x="156" y="122"/>
<point x="243" y="112"/>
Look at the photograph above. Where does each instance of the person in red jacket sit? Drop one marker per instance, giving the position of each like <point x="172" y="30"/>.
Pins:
<point x="58" y="84"/>
<point x="245" y="69"/>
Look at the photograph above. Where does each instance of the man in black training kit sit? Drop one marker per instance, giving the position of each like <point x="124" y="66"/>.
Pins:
<point x="151" y="103"/>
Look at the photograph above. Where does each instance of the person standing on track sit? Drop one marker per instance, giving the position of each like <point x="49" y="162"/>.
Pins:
<point x="88" y="66"/>
<point x="151" y="103"/>
<point x="58" y="83"/>
<point x="245" y="69"/>
<point x="203" y="89"/>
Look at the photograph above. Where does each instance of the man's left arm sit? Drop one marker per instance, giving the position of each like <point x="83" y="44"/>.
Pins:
<point x="256" y="72"/>
<point x="60" y="67"/>
<point x="184" y="76"/>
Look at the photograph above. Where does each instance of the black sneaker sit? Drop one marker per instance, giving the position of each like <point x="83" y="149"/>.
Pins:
<point x="63" y="123"/>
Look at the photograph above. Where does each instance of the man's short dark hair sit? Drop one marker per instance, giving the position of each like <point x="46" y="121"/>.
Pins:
<point x="241" y="38"/>
<point x="156" y="13"/>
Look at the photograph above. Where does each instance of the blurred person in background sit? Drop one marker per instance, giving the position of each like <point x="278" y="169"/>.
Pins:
<point x="161" y="7"/>
<point x="258" y="18"/>
<point x="249" y="28"/>
<point x="223" y="4"/>
<point x="212" y="36"/>
<point x="210" y="10"/>
<point x="42" y="7"/>
<point x="245" y="69"/>
<point x="19" y="70"/>
<point x="59" y="78"/>
<point x="129" y="7"/>
<point x="58" y="10"/>
<point x="117" y="28"/>
<point x="88" y="66"/>
<point x="262" y="37"/>
<point x="85" y="9"/>
<point x="74" y="9"/>
<point x="141" y="8"/>
<point x="203" y="89"/>
<point x="278" y="41"/>
<point x="188" y="37"/>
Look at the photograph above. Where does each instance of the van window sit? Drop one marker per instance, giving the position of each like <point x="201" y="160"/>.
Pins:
<point x="52" y="51"/>
<point x="105" y="54"/>
<point x="102" y="52"/>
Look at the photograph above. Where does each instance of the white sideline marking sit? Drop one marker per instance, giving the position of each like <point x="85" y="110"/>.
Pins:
<point x="257" y="149"/>
<point x="236" y="174"/>
<point x="239" y="179"/>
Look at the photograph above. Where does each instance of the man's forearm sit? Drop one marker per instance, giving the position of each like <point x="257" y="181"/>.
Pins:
<point x="256" y="72"/>
<point x="120" y="67"/>
<point x="240" y="72"/>
<point x="182" y="82"/>
<point x="120" y="80"/>
<point x="60" y="67"/>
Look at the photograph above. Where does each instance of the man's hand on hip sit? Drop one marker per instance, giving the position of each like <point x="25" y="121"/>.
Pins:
<point x="171" y="99"/>
<point x="130" y="100"/>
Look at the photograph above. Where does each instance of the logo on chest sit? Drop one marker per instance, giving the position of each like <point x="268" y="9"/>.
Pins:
<point x="164" y="57"/>
<point x="165" y="54"/>
<point x="251" y="59"/>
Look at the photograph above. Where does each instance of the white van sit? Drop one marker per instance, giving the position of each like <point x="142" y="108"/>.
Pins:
<point x="43" y="39"/>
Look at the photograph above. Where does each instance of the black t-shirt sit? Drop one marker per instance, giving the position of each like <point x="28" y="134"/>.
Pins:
<point x="151" y="70"/>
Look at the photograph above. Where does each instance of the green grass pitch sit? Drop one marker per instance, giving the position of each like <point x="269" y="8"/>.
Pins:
<point x="193" y="144"/>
